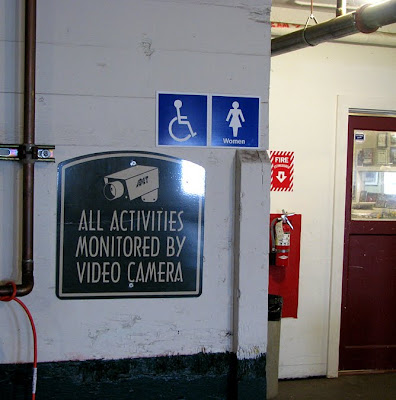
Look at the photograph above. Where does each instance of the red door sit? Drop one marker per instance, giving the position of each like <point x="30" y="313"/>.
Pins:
<point x="368" y="316"/>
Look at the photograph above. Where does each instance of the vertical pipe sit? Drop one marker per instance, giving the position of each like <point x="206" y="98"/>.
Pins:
<point x="27" y="231"/>
<point x="341" y="8"/>
<point x="29" y="139"/>
<point x="30" y="71"/>
<point x="28" y="162"/>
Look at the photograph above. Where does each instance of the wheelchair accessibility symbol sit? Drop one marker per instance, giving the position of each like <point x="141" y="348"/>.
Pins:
<point x="181" y="120"/>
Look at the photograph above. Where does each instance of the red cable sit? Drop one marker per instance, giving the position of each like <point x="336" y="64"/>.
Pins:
<point x="13" y="297"/>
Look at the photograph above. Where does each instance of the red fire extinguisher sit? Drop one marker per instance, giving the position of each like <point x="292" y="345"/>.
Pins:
<point x="280" y="237"/>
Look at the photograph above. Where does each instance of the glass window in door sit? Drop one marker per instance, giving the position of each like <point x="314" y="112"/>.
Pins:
<point x="374" y="175"/>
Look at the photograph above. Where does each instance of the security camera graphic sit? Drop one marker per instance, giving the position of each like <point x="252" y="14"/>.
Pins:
<point x="137" y="181"/>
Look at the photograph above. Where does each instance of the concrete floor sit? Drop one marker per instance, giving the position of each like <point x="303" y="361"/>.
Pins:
<point x="346" y="387"/>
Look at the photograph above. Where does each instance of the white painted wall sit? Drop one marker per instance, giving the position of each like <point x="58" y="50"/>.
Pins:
<point x="99" y="65"/>
<point x="304" y="91"/>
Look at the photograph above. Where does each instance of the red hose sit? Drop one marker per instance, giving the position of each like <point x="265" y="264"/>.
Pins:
<point x="10" y="298"/>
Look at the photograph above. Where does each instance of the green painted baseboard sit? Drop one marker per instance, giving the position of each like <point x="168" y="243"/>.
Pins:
<point x="194" y="377"/>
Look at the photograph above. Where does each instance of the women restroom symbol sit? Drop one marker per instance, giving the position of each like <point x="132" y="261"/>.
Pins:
<point x="181" y="120"/>
<point x="236" y="116"/>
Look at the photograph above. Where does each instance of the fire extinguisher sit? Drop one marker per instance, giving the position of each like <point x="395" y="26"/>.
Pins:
<point x="281" y="228"/>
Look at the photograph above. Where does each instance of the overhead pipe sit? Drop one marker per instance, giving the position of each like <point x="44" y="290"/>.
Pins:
<point x="366" y="19"/>
<point x="378" y="38"/>
<point x="26" y="286"/>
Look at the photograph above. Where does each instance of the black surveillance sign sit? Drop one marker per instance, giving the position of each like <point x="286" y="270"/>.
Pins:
<point x="130" y="224"/>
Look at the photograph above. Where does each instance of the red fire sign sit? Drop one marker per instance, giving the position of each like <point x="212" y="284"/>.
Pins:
<point x="282" y="170"/>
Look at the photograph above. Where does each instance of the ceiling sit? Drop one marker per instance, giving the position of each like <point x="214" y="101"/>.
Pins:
<point x="297" y="11"/>
<point x="319" y="4"/>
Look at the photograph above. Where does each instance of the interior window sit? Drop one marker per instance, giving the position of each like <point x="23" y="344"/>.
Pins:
<point x="374" y="175"/>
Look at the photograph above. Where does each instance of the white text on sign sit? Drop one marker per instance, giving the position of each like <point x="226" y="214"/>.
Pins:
<point x="282" y="170"/>
<point x="283" y="160"/>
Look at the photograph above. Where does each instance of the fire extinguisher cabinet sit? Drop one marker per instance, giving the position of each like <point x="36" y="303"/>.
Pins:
<point x="275" y="304"/>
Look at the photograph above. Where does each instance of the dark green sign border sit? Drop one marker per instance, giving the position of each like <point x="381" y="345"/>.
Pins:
<point x="151" y="158"/>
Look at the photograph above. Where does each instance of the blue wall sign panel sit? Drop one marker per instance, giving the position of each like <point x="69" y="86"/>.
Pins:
<point x="206" y="120"/>
<point x="235" y="121"/>
<point x="181" y="119"/>
<point x="130" y="224"/>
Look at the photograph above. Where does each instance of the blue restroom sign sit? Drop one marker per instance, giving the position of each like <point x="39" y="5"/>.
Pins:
<point x="206" y="120"/>
<point x="129" y="224"/>
<point x="235" y="121"/>
<point x="181" y="119"/>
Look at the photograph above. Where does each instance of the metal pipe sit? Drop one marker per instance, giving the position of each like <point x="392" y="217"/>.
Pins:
<point x="28" y="163"/>
<point x="341" y="7"/>
<point x="378" y="38"/>
<point x="371" y="17"/>
<point x="366" y="19"/>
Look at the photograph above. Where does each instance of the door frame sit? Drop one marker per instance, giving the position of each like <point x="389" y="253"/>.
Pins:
<point x="344" y="104"/>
